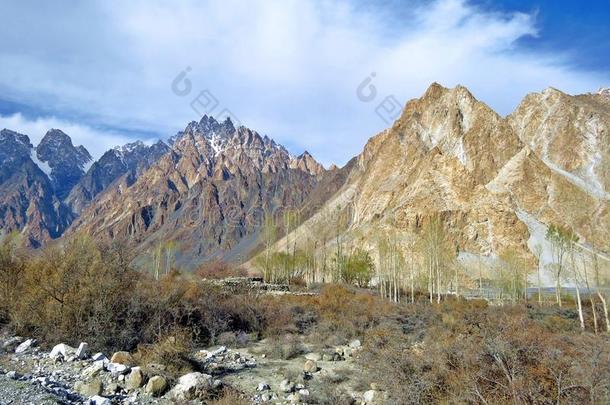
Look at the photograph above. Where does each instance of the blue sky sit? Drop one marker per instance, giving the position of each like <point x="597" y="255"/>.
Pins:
<point x="103" y="70"/>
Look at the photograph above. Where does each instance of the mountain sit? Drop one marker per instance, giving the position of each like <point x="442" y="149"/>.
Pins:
<point x="130" y="160"/>
<point x="495" y="181"/>
<point x="208" y="194"/>
<point x="45" y="187"/>
<point x="67" y="164"/>
<point x="27" y="198"/>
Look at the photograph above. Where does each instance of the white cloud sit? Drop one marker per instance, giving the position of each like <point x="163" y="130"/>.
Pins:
<point x="96" y="141"/>
<point x="287" y="68"/>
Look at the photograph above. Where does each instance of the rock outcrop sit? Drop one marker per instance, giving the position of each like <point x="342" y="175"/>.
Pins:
<point x="127" y="162"/>
<point x="451" y="155"/>
<point x="27" y="198"/>
<point x="67" y="163"/>
<point x="208" y="194"/>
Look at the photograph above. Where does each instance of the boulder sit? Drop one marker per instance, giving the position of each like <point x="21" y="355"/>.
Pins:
<point x="10" y="344"/>
<point x="93" y="370"/>
<point x="13" y="375"/>
<point x="83" y="351"/>
<point x="90" y="388"/>
<point x="135" y="379"/>
<point x="263" y="387"/>
<point x="25" y="346"/>
<point x="355" y="344"/>
<point x="286" y="386"/>
<point x="100" y="357"/>
<point x="156" y="386"/>
<point x="310" y="366"/>
<point x="117" y="369"/>
<point x="313" y="356"/>
<point x="370" y="396"/>
<point x="62" y="350"/>
<point x="112" y="389"/>
<point x="327" y="357"/>
<point x="98" y="400"/>
<point x="192" y="386"/>
<point x="294" y="398"/>
<point x="124" y="358"/>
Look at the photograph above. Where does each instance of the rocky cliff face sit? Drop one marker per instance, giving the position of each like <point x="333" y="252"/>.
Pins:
<point x="208" y="194"/>
<point x="130" y="160"/>
<point x="563" y="173"/>
<point x="27" y="199"/>
<point x="451" y="155"/>
<point x="45" y="187"/>
<point x="66" y="162"/>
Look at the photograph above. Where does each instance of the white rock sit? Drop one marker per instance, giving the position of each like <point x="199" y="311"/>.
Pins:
<point x="99" y="400"/>
<point x="117" y="369"/>
<point x="355" y="344"/>
<point x="62" y="349"/>
<point x="286" y="386"/>
<point x="220" y="350"/>
<point x="304" y="392"/>
<point x="93" y="370"/>
<point x="263" y="387"/>
<point x="370" y="396"/>
<point x="25" y="346"/>
<point x="83" y="351"/>
<point x="192" y="386"/>
<point x="100" y="357"/>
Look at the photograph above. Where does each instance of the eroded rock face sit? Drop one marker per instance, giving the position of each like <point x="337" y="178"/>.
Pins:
<point x="563" y="173"/>
<point x="452" y="156"/>
<point x="67" y="163"/>
<point x="27" y="197"/>
<point x="208" y="194"/>
<point x="128" y="162"/>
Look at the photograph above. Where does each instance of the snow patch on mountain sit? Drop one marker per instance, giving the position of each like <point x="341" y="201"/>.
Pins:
<point x="44" y="166"/>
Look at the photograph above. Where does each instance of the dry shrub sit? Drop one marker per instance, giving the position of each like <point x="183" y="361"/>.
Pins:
<point x="229" y="396"/>
<point x="286" y="347"/>
<point x="347" y="313"/>
<point x="173" y="351"/>
<point x="234" y="339"/>
<point x="491" y="355"/>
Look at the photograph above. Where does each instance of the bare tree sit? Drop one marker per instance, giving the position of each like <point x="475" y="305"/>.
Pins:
<point x="436" y="250"/>
<point x="562" y="240"/>
<point x="576" y="279"/>
<point x="538" y="255"/>
<point x="389" y="272"/>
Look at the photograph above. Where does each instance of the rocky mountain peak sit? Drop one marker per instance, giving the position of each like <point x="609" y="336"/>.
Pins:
<point x="67" y="163"/>
<point x="57" y="149"/>
<point x="130" y="159"/>
<point x="604" y="91"/>
<point x="307" y="163"/>
<point x="13" y="145"/>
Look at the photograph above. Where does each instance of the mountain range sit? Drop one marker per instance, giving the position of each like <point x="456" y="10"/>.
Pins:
<point x="496" y="182"/>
